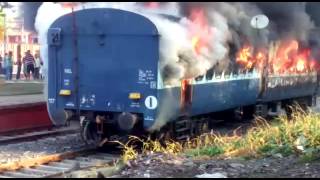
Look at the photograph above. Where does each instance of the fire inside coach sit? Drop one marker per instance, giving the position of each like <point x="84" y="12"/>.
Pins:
<point x="131" y="71"/>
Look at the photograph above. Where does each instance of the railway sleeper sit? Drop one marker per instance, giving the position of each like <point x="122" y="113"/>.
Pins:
<point x="35" y="171"/>
<point x="82" y="163"/>
<point x="61" y="164"/>
<point x="52" y="168"/>
<point x="93" y="160"/>
<point x="2" y="176"/>
<point x="96" y="156"/>
<point x="16" y="174"/>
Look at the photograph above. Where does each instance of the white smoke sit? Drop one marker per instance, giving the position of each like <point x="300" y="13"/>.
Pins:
<point x="178" y="59"/>
<point x="48" y="12"/>
<point x="171" y="45"/>
<point x="221" y="34"/>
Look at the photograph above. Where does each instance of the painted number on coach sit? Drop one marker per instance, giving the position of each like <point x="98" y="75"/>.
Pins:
<point x="151" y="102"/>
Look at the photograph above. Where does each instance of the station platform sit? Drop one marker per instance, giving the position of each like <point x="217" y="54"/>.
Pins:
<point x="21" y="100"/>
<point x="22" y="106"/>
<point x="20" y="87"/>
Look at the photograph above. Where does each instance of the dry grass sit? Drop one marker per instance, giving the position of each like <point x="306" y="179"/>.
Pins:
<point x="300" y="135"/>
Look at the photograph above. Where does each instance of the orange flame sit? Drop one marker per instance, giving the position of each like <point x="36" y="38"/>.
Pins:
<point x="244" y="57"/>
<point x="285" y="54"/>
<point x="247" y="59"/>
<point x="199" y="30"/>
<point x="300" y="65"/>
<point x="260" y="58"/>
<point x="287" y="57"/>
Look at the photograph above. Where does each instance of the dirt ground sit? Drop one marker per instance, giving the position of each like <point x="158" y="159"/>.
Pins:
<point x="168" y="166"/>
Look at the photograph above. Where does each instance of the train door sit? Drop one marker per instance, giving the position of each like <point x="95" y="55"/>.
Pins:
<point x="186" y="96"/>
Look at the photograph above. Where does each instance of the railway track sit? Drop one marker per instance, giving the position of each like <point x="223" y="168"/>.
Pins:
<point x="62" y="164"/>
<point x="57" y="165"/>
<point x="33" y="135"/>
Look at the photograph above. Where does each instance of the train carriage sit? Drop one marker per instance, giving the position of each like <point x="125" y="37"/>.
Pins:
<point x="104" y="69"/>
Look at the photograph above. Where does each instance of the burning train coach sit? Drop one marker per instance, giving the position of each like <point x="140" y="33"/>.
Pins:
<point x="111" y="69"/>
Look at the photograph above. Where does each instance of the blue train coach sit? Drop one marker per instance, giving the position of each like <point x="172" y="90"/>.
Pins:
<point x="104" y="70"/>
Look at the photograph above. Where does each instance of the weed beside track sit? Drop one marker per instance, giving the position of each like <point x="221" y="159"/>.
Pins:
<point x="298" y="134"/>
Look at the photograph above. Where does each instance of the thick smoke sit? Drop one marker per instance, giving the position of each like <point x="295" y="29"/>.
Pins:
<point x="312" y="8"/>
<point x="297" y="20"/>
<point x="29" y="12"/>
<point x="239" y="16"/>
<point x="229" y="24"/>
<point x="167" y="111"/>
<point x="178" y="57"/>
<point x="288" y="19"/>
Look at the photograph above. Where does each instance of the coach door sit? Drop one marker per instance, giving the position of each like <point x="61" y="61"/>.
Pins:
<point x="186" y="96"/>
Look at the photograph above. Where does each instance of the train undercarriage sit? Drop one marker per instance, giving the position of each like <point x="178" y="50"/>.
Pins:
<point x="98" y="128"/>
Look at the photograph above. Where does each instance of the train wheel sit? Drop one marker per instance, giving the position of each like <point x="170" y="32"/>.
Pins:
<point x="89" y="133"/>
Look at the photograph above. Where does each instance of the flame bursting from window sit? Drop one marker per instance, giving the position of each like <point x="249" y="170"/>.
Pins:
<point x="284" y="56"/>
<point x="247" y="59"/>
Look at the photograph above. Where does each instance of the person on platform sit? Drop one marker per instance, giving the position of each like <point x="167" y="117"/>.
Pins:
<point x="8" y="63"/>
<point x="29" y="62"/>
<point x="24" y="68"/>
<point x="41" y="70"/>
<point x="41" y="67"/>
<point x="19" y="64"/>
<point x="37" y="66"/>
<point x="1" y="65"/>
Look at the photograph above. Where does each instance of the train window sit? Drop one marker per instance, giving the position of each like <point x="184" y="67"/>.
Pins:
<point x="209" y="74"/>
<point x="199" y="78"/>
<point x="235" y="74"/>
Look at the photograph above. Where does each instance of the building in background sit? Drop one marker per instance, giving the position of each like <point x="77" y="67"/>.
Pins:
<point x="13" y="36"/>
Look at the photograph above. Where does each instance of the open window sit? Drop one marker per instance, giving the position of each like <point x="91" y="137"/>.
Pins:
<point x="209" y="74"/>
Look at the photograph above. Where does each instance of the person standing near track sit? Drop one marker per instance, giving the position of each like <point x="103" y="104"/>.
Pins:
<point x="8" y="63"/>
<point x="19" y="64"/>
<point x="29" y="62"/>
<point x="1" y="65"/>
<point x="37" y="66"/>
<point x="24" y="68"/>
